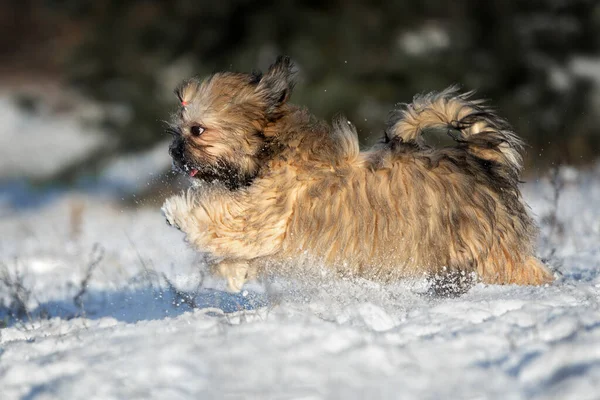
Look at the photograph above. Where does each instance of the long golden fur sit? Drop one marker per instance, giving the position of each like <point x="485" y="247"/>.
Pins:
<point x="276" y="184"/>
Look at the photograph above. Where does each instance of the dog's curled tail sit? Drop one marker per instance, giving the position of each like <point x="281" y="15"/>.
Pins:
<point x="476" y="127"/>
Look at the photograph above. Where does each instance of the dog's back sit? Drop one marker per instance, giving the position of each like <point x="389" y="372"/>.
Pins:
<point x="405" y="209"/>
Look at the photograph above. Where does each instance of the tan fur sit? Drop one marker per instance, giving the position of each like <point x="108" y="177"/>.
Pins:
<point x="304" y="191"/>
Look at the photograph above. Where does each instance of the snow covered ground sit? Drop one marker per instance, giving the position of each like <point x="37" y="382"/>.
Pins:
<point x="99" y="300"/>
<point x="27" y="136"/>
<point x="148" y="325"/>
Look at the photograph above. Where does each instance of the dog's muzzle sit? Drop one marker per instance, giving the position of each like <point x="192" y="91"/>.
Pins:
<point x="177" y="150"/>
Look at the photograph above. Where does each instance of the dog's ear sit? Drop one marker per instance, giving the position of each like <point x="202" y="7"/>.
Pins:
<point x="275" y="87"/>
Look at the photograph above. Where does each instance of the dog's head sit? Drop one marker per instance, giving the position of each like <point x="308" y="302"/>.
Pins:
<point x="218" y="133"/>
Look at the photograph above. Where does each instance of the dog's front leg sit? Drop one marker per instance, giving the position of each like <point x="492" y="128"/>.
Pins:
<point x="178" y="213"/>
<point x="236" y="272"/>
<point x="183" y="213"/>
<point x="229" y="227"/>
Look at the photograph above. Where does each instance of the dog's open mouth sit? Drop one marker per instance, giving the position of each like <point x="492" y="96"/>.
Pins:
<point x="186" y="169"/>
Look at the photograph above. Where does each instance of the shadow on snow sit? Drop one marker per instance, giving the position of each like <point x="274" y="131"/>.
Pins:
<point x="143" y="304"/>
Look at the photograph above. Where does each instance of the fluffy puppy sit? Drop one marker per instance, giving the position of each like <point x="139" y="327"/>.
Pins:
<point x="280" y="185"/>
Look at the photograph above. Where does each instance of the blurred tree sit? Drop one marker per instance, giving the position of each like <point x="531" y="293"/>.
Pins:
<point x="358" y="57"/>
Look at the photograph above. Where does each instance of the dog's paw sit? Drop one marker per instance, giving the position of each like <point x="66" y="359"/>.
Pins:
<point x="236" y="273"/>
<point x="176" y="210"/>
<point x="168" y="210"/>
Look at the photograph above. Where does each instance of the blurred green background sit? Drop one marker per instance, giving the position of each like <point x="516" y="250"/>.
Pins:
<point x="538" y="60"/>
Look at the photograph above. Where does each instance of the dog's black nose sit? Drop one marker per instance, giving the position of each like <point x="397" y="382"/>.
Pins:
<point x="176" y="149"/>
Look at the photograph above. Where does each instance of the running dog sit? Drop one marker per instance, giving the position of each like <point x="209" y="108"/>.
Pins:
<point x="276" y="184"/>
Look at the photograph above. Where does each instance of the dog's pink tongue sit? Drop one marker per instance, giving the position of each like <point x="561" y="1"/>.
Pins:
<point x="193" y="172"/>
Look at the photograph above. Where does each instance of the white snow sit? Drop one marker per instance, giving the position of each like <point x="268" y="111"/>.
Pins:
<point x="134" y="338"/>
<point x="132" y="173"/>
<point x="38" y="144"/>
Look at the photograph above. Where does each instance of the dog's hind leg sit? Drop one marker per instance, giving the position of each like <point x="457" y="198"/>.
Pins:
<point x="506" y="271"/>
<point x="531" y="272"/>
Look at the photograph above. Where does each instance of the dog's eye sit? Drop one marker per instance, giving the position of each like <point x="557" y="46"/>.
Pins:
<point x="196" y="130"/>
